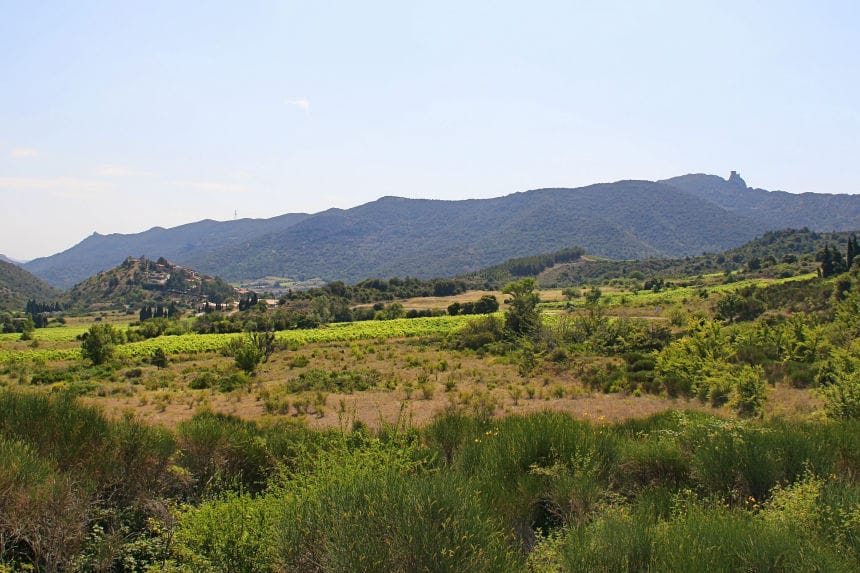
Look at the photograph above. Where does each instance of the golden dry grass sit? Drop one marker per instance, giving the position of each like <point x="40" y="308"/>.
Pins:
<point x="418" y="387"/>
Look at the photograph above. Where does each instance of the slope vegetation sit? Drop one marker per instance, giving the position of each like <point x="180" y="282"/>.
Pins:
<point x="775" y="209"/>
<point x="139" y="281"/>
<point x="392" y="236"/>
<point x="423" y="238"/>
<point x="17" y="286"/>
<point x="98" y="252"/>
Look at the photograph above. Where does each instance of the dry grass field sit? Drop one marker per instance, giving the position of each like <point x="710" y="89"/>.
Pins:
<point x="415" y="380"/>
<point x="398" y="379"/>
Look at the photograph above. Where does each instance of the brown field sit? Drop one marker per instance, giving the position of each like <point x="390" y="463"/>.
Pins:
<point x="418" y="380"/>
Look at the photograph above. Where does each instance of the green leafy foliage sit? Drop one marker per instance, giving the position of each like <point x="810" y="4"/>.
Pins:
<point x="783" y="253"/>
<point x="375" y="509"/>
<point x="522" y="317"/>
<point x="99" y="343"/>
<point x="466" y="492"/>
<point x="841" y="386"/>
<point x="251" y="350"/>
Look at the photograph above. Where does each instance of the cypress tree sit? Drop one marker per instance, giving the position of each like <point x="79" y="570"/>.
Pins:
<point x="827" y="262"/>
<point x="839" y="265"/>
<point x="852" y="250"/>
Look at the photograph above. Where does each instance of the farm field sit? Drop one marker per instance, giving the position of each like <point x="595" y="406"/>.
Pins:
<point x="415" y="373"/>
<point x="611" y="425"/>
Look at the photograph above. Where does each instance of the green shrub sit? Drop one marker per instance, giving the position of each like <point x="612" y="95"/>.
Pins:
<point x="251" y="349"/>
<point x="203" y="381"/>
<point x="447" y="433"/>
<point x="373" y="510"/>
<point x="44" y="513"/>
<point x="479" y="333"/>
<point x="223" y="451"/>
<point x="159" y="358"/>
<point x="718" y="539"/>
<point x="741" y="459"/>
<point x="347" y="381"/>
<point x="99" y="343"/>
<point x="838" y="513"/>
<point x="133" y="373"/>
<point x="749" y="391"/>
<point x="652" y="461"/>
<point x="532" y="468"/>
<point x="695" y="537"/>
<point x="60" y="429"/>
<point x="299" y="361"/>
<point x="234" y="533"/>
<point x="842" y="397"/>
<point x="233" y="381"/>
<point x="614" y="542"/>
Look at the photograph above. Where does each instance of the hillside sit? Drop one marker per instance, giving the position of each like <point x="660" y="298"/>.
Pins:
<point x="139" y="281"/>
<point x="781" y="253"/>
<point x="408" y="237"/>
<point x="17" y="286"/>
<point x="774" y="209"/>
<point x="392" y="236"/>
<point x="98" y="252"/>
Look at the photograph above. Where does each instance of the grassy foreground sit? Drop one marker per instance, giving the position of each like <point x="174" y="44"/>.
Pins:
<point x="680" y="491"/>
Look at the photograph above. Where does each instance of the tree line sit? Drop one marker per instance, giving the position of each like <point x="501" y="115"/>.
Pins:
<point x="832" y="261"/>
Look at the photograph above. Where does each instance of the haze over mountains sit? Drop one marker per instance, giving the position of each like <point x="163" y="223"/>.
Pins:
<point x="393" y="236"/>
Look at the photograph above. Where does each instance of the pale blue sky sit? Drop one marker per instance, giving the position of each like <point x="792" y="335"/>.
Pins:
<point x="119" y="116"/>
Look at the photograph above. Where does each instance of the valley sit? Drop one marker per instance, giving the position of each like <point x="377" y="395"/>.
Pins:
<point x="575" y="402"/>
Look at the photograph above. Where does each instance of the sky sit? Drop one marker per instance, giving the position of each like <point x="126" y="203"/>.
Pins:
<point x="119" y="116"/>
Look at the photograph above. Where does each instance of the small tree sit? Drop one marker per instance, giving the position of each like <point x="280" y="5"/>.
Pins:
<point x="99" y="343"/>
<point x="570" y="293"/>
<point x="593" y="295"/>
<point x="252" y="349"/>
<point x="840" y="386"/>
<point x="159" y="358"/>
<point x="750" y="391"/>
<point x="487" y="304"/>
<point x="735" y="306"/>
<point x="522" y="317"/>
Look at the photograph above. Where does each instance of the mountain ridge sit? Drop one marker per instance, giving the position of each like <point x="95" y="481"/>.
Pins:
<point x="397" y="236"/>
<point x="99" y="252"/>
<point x="432" y="238"/>
<point x="778" y="209"/>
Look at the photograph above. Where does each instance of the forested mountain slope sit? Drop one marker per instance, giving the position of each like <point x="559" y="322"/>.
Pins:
<point x="409" y="237"/>
<point x="98" y="252"/>
<point x="775" y="209"/>
<point x="393" y="236"/>
<point x="17" y="286"/>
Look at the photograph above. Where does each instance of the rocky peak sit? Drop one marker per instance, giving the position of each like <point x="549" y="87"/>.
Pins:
<point x="736" y="180"/>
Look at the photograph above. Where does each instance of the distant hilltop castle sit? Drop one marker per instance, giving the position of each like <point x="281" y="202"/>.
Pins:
<point x="736" y="180"/>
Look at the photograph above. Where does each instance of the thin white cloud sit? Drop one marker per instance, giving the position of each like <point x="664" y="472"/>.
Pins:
<point x="303" y="104"/>
<point x="114" y="171"/>
<point x="69" y="187"/>
<point x="210" y="186"/>
<point x="21" y="152"/>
